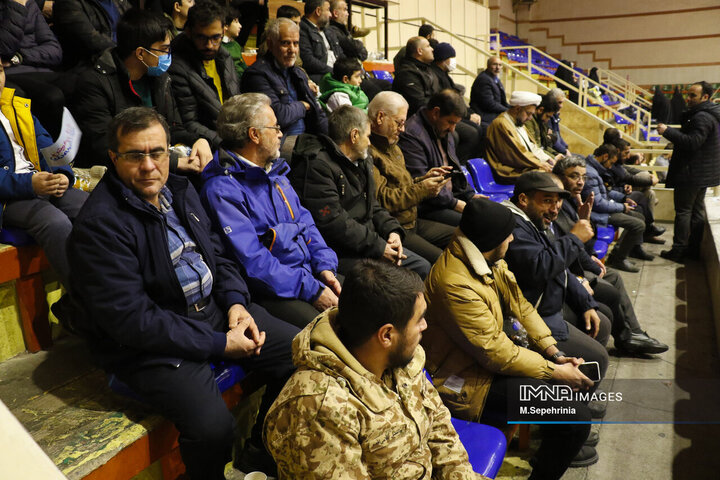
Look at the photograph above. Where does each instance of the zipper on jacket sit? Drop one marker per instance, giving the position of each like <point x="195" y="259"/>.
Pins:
<point x="287" y="204"/>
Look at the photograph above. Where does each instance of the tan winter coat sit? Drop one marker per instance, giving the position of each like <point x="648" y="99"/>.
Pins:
<point x="335" y="420"/>
<point x="506" y="151"/>
<point x="467" y="301"/>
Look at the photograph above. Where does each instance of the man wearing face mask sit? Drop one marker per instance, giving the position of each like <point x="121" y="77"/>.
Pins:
<point x="133" y="74"/>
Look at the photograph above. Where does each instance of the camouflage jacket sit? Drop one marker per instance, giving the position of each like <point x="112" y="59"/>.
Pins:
<point x="335" y="420"/>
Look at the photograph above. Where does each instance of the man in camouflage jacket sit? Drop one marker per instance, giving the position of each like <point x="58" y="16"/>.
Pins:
<point x="359" y="405"/>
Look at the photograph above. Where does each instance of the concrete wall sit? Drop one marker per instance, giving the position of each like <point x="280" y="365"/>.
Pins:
<point x="649" y="41"/>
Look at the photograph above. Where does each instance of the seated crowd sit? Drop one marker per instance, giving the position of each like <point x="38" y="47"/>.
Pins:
<point x="260" y="214"/>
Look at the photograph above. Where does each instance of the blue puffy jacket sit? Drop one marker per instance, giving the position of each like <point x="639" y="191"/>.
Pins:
<point x="263" y="224"/>
<point x="606" y="201"/>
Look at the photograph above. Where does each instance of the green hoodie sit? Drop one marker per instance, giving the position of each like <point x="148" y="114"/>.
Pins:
<point x="329" y="86"/>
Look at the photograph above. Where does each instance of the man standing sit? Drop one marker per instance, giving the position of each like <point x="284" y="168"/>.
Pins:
<point x="475" y="366"/>
<point x="428" y="143"/>
<point x="413" y="78"/>
<point x="695" y="165"/>
<point x="258" y="215"/>
<point x="510" y="151"/>
<point x="359" y="405"/>
<point x="487" y="95"/>
<point x="396" y="190"/>
<point x="203" y="74"/>
<point x="318" y="46"/>
<point x="276" y="75"/>
<point x="160" y="300"/>
<point x="334" y="178"/>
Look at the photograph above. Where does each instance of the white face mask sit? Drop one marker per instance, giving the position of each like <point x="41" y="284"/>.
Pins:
<point x="452" y="66"/>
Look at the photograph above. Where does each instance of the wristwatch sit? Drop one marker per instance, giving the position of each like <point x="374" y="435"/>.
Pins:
<point x="15" y="60"/>
<point x="557" y="355"/>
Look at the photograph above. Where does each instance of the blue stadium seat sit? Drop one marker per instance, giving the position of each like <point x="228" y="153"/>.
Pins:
<point x="606" y="234"/>
<point x="383" y="75"/>
<point x="498" y="197"/>
<point x="485" y="446"/>
<point x="15" y="237"/>
<point x="468" y="177"/>
<point x="484" y="180"/>
<point x="600" y="249"/>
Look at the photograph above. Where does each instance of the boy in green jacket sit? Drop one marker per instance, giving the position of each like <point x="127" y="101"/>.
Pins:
<point x="342" y="86"/>
<point x="232" y="30"/>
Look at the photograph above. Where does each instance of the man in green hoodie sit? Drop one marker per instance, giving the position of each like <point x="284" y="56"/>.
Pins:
<point x="359" y="404"/>
<point x="342" y="86"/>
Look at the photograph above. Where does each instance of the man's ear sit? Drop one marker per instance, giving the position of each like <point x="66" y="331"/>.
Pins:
<point x="113" y="157"/>
<point x="523" y="200"/>
<point x="140" y="53"/>
<point x="254" y="135"/>
<point x="384" y="335"/>
<point x="346" y="79"/>
<point x="177" y="6"/>
<point x="354" y="135"/>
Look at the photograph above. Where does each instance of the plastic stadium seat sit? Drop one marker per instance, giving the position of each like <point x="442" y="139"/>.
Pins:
<point x="485" y="446"/>
<point x="15" y="237"/>
<point x="469" y="178"/>
<point x="498" y="197"/>
<point x="606" y="234"/>
<point x="600" y="249"/>
<point x="484" y="180"/>
<point x="383" y="75"/>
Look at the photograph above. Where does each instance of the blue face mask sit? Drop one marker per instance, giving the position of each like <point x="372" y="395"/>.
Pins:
<point x="164" y="62"/>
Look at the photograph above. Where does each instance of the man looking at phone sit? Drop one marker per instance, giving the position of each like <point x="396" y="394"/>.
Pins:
<point x="395" y="188"/>
<point x="428" y="143"/>
<point x="475" y="366"/>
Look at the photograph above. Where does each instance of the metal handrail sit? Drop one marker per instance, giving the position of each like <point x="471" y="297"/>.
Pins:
<point x="626" y="85"/>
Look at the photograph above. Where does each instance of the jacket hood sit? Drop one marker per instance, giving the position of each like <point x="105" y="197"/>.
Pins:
<point x="317" y="347"/>
<point x="711" y="108"/>
<point x="228" y="163"/>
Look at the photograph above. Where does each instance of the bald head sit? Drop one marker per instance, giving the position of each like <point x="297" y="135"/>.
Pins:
<point x="494" y="66"/>
<point x="388" y="102"/>
<point x="419" y="48"/>
<point x="387" y="112"/>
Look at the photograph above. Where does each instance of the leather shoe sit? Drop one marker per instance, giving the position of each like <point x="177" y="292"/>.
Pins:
<point x="622" y="264"/>
<point x="674" y="255"/>
<point x="641" y="343"/>
<point x="655" y="240"/>
<point x="592" y="439"/>
<point x="639" y="253"/>
<point x="586" y="456"/>
<point x="655" y="231"/>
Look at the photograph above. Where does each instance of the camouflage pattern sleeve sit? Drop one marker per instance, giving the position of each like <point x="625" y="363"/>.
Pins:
<point x="449" y="458"/>
<point x="315" y="436"/>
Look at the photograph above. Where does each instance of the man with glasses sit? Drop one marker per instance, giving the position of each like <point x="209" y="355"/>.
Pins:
<point x="397" y="192"/>
<point x="160" y="300"/>
<point x="133" y="74"/>
<point x="258" y="215"/>
<point x="203" y="74"/>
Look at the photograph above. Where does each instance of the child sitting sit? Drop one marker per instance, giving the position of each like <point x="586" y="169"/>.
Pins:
<point x="342" y="86"/>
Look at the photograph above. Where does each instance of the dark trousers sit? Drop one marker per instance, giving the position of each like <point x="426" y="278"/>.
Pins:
<point x="428" y="239"/>
<point x="414" y="262"/>
<point x="581" y="345"/>
<point x="560" y="443"/>
<point x="470" y="141"/>
<point x="610" y="290"/>
<point x="633" y="224"/>
<point x="643" y="207"/>
<point x="606" y="320"/>
<point x="689" y="218"/>
<point x="49" y="221"/>
<point x="373" y="86"/>
<point x="49" y="92"/>
<point x="442" y="215"/>
<point x="188" y="396"/>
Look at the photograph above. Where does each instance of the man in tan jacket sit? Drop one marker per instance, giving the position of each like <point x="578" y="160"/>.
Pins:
<point x="396" y="190"/>
<point x="476" y="367"/>
<point x="359" y="405"/>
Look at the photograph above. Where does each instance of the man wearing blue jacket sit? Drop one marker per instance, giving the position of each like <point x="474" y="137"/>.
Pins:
<point x="35" y="197"/>
<point x="258" y="214"/>
<point x="160" y="300"/>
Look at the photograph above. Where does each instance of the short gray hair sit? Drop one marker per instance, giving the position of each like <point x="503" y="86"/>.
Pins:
<point x="237" y="115"/>
<point x="388" y="102"/>
<point x="272" y="30"/>
<point x="568" y="162"/>
<point x="555" y="93"/>
<point x="343" y="120"/>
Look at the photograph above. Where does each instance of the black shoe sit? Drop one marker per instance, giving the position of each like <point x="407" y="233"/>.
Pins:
<point x="593" y="439"/>
<point x="654" y="240"/>
<point x="255" y="459"/>
<point x="655" y="231"/>
<point x="597" y="408"/>
<point x="641" y="343"/>
<point x="675" y="255"/>
<point x="586" y="456"/>
<point x="621" y="264"/>
<point x="639" y="253"/>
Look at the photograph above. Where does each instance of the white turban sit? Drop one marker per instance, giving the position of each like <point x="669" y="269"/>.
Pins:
<point x="523" y="99"/>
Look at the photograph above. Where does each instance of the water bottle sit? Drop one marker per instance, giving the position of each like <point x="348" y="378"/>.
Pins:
<point x="519" y="336"/>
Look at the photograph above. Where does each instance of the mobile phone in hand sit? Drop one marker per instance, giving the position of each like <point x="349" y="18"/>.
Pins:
<point x="591" y="370"/>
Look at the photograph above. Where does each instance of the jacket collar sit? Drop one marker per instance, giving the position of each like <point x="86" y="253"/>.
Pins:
<point x="226" y="162"/>
<point x="517" y="211"/>
<point x="473" y="254"/>
<point x="380" y="143"/>
<point x="176" y="184"/>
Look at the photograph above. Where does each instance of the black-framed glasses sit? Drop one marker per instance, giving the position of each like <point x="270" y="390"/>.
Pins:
<point x="160" y="50"/>
<point x="398" y="123"/>
<point x="139" y="157"/>
<point x="215" y="39"/>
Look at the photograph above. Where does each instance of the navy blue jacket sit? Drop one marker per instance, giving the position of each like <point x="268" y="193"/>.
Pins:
<point x="541" y="269"/>
<point x="487" y="97"/>
<point x="560" y="144"/>
<point x="567" y="218"/>
<point x="259" y="216"/>
<point x="134" y="306"/>
<point x="264" y="76"/>
<point x="313" y="52"/>
<point x="606" y="201"/>
<point x="24" y="31"/>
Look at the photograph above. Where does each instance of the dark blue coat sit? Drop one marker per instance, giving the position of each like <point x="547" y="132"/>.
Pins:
<point x="487" y="97"/>
<point x="264" y="76"/>
<point x="606" y="201"/>
<point x="313" y="52"/>
<point x="560" y="144"/>
<point x="259" y="216"/>
<point x="135" y="309"/>
<point x="541" y="269"/>
<point x="24" y="31"/>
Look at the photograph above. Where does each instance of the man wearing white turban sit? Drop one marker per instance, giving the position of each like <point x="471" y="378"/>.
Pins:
<point x="509" y="149"/>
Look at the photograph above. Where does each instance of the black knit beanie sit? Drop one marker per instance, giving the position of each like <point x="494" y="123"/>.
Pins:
<point x="487" y="224"/>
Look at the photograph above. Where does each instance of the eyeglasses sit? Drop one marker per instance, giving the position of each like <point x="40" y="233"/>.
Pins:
<point x="139" y="157"/>
<point x="167" y="51"/>
<point x="272" y="127"/>
<point x="576" y="176"/>
<point x="398" y="123"/>
<point x="215" y="39"/>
